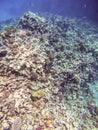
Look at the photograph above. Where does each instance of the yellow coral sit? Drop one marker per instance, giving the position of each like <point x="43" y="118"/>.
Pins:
<point x="49" y="122"/>
<point x="41" y="93"/>
<point x="38" y="94"/>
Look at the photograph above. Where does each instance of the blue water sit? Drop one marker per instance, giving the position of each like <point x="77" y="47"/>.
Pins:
<point x="70" y="8"/>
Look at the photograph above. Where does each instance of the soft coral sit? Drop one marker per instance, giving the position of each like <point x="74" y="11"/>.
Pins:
<point x="39" y="128"/>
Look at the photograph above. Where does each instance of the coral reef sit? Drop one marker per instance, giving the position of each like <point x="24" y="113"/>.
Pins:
<point x="47" y="66"/>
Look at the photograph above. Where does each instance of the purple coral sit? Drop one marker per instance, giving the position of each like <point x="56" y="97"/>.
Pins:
<point x="39" y="128"/>
<point x="84" y="116"/>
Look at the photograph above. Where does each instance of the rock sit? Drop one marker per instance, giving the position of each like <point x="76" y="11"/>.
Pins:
<point x="3" y="53"/>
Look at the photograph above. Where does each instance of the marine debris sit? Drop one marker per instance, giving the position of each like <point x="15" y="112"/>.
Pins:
<point x="46" y="66"/>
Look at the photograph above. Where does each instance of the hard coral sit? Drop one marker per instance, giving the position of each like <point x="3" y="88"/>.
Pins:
<point x="17" y="124"/>
<point x="15" y="51"/>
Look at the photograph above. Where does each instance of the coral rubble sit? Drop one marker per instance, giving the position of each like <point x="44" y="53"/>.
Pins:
<point x="46" y="66"/>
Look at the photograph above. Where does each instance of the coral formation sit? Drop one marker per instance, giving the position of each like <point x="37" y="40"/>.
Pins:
<point x="46" y="69"/>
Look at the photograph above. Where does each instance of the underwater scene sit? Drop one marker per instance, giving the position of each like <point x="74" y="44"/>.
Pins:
<point x="49" y="65"/>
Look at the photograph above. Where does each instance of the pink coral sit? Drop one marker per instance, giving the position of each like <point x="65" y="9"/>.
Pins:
<point x="39" y="128"/>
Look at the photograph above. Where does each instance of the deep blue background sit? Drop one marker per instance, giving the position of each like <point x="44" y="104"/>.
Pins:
<point x="70" y="8"/>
